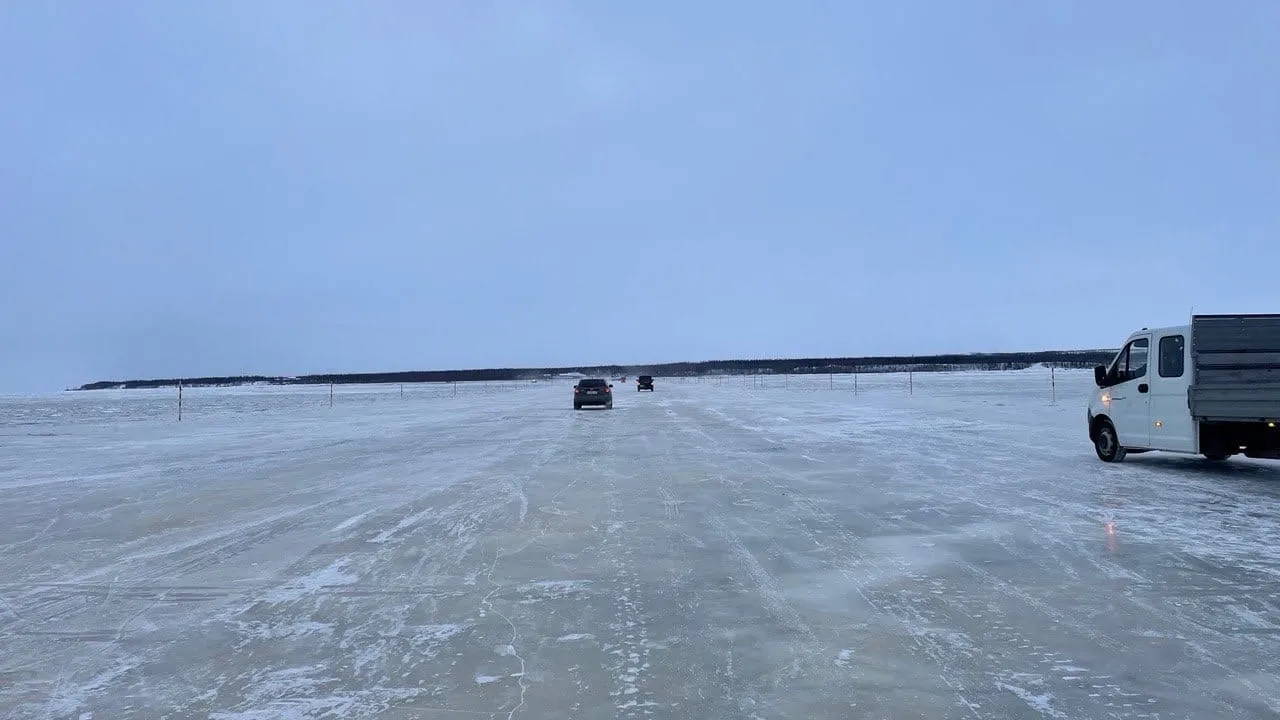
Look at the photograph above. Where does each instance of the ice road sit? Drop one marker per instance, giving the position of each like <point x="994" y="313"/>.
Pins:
<point x="721" y="548"/>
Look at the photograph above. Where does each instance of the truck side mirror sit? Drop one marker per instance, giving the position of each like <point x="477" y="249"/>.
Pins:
<point x="1100" y="376"/>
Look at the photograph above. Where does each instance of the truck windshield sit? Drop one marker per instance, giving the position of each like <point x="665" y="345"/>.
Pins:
<point x="1114" y="366"/>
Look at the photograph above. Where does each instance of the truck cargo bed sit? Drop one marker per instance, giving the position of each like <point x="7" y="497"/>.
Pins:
<point x="1236" y="365"/>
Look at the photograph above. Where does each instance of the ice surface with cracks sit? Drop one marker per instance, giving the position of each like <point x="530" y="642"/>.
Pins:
<point x="723" y="547"/>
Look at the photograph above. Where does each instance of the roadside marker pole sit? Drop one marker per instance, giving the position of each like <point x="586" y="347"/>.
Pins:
<point x="330" y="393"/>
<point x="179" y="401"/>
<point x="1053" y="385"/>
<point x="855" y="379"/>
<point x="401" y="391"/>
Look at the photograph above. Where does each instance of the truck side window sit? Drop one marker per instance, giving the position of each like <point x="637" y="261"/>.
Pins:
<point x="1172" y="356"/>
<point x="1136" y="360"/>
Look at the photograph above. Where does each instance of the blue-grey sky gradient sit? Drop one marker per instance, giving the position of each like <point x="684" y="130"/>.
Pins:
<point x="193" y="188"/>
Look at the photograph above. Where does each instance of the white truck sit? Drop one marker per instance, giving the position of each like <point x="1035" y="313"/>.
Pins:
<point x="1210" y="388"/>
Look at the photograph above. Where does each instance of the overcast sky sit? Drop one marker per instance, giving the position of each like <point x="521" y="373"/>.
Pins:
<point x="192" y="188"/>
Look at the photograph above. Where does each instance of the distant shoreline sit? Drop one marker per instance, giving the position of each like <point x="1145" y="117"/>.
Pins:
<point x="780" y="366"/>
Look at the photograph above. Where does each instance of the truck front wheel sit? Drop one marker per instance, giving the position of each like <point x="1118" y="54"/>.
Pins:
<point x="1107" y="444"/>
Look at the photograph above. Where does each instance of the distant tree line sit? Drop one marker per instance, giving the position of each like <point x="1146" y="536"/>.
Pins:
<point x="779" y="366"/>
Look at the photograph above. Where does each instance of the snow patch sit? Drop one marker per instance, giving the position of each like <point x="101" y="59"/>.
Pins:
<point x="333" y="576"/>
<point x="269" y="631"/>
<point x="1249" y="619"/>
<point x="431" y="634"/>
<point x="68" y="700"/>
<point x="1041" y="702"/>
<point x="404" y="524"/>
<point x="298" y="693"/>
<point x="351" y="521"/>
<point x="550" y="590"/>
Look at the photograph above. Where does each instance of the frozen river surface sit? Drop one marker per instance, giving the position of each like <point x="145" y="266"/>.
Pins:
<point x="716" y="549"/>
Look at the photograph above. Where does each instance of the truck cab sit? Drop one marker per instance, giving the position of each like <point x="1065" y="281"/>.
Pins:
<point x="1140" y="402"/>
<point x="1209" y="388"/>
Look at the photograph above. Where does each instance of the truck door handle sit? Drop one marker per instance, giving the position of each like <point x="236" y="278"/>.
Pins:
<point x="1143" y="387"/>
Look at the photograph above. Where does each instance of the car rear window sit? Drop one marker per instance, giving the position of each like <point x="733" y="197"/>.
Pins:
<point x="592" y="383"/>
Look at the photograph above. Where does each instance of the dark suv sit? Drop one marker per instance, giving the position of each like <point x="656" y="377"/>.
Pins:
<point x="644" y="382"/>
<point x="592" y="391"/>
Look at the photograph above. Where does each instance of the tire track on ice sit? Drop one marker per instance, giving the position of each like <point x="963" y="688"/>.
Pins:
<point x="632" y="647"/>
<point x="849" y="564"/>
<point x="1186" y="625"/>
<point x="396" y="571"/>
<point x="952" y="650"/>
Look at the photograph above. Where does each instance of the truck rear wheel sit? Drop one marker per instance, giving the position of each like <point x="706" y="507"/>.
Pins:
<point x="1216" y="456"/>
<point x="1107" y="444"/>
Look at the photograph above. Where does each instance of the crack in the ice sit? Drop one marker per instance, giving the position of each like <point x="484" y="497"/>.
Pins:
<point x="488" y="604"/>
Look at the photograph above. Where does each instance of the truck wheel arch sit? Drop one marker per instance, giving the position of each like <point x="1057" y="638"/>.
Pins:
<point x="1109" y="452"/>
<point x="1096" y="424"/>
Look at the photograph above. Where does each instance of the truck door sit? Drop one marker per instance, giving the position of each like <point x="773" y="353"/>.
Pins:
<point x="1130" y="406"/>
<point x="1171" y="425"/>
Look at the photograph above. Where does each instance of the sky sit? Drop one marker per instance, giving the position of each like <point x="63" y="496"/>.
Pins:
<point x="216" y="188"/>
